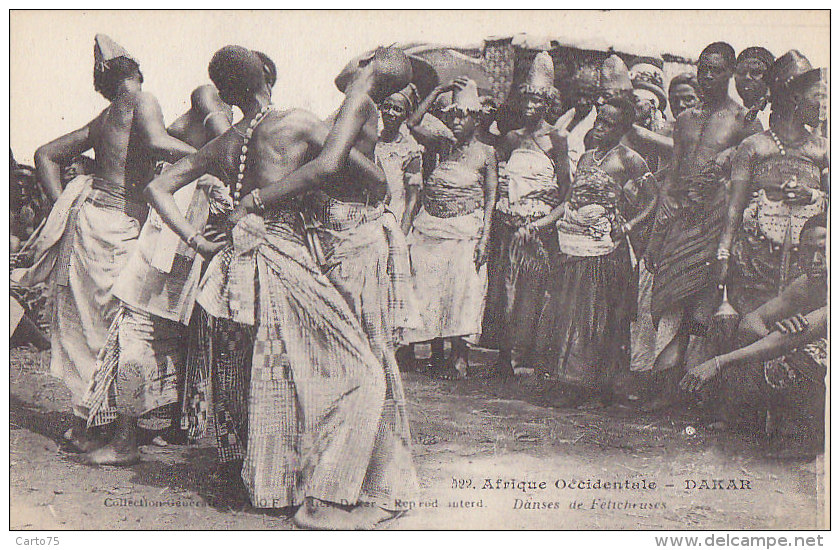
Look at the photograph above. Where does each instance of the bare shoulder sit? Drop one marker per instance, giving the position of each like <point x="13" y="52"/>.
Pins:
<point x="755" y="143"/>
<point x="293" y="118"/>
<point x="145" y="99"/>
<point x="631" y="157"/>
<point x="633" y="161"/>
<point x="205" y="99"/>
<point x="281" y="126"/>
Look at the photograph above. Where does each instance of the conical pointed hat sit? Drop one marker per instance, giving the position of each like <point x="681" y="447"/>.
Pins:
<point x="541" y="74"/>
<point x="614" y="74"/>
<point x="105" y="49"/>
<point x="540" y="78"/>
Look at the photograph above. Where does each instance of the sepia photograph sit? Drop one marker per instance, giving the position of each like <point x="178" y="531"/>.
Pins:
<point x="419" y="270"/>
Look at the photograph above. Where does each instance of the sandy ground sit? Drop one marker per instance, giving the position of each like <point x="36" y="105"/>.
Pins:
<point x="468" y="435"/>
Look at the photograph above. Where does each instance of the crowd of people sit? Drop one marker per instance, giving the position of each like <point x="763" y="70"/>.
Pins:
<point x="272" y="276"/>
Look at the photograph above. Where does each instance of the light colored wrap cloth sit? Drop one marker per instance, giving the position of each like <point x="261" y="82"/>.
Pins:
<point x="366" y="258"/>
<point x="138" y="369"/>
<point x="82" y="248"/>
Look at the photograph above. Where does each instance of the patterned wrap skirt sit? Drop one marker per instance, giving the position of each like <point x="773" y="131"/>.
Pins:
<point x="295" y="388"/>
<point x="583" y="336"/>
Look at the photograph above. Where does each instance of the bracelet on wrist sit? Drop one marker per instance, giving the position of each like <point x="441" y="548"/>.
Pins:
<point x="259" y="205"/>
<point x="723" y="254"/>
<point x="192" y="240"/>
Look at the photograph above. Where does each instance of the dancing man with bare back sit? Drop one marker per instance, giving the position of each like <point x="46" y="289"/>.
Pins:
<point x="95" y="222"/>
<point x="300" y="396"/>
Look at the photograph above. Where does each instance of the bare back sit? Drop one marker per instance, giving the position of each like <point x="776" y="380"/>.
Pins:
<point x="121" y="156"/>
<point x="275" y="150"/>
<point x="350" y="187"/>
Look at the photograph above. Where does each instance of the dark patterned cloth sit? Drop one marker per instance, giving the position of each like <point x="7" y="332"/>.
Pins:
<point x="217" y="382"/>
<point x="783" y="397"/>
<point x="685" y="237"/>
<point x="323" y="420"/>
<point x="33" y="298"/>
<point x="518" y="275"/>
<point x="583" y="335"/>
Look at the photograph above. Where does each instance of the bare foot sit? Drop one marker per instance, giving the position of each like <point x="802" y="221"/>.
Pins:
<point x="113" y="454"/>
<point x="322" y="515"/>
<point x="81" y="440"/>
<point x="368" y="516"/>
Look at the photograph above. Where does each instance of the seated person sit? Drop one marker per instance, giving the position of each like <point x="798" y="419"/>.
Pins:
<point x="778" y="377"/>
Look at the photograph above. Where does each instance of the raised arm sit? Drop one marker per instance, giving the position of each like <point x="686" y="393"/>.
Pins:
<point x="664" y="145"/>
<point x="160" y="193"/>
<point x="338" y="145"/>
<point x="415" y="122"/>
<point x="560" y="152"/>
<point x="149" y="123"/>
<point x="216" y="115"/>
<point x="50" y="157"/>
<point x="306" y="127"/>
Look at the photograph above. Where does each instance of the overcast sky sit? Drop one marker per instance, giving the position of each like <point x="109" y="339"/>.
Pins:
<point x="52" y="51"/>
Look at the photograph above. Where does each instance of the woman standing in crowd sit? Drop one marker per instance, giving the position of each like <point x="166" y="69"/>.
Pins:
<point x="776" y="186"/>
<point x="400" y="156"/>
<point x="584" y="333"/>
<point x="449" y="242"/>
<point x="537" y="178"/>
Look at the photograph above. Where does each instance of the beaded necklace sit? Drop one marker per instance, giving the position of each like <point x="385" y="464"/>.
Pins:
<point x="237" y="190"/>
<point x="778" y="143"/>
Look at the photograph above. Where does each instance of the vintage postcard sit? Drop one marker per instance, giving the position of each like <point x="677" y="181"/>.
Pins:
<point x="419" y="270"/>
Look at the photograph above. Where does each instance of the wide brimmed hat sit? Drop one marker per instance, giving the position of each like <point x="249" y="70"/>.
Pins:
<point x="614" y="74"/>
<point x="651" y="78"/>
<point x="105" y="49"/>
<point x="465" y="98"/>
<point x="786" y="69"/>
<point x="540" y="78"/>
